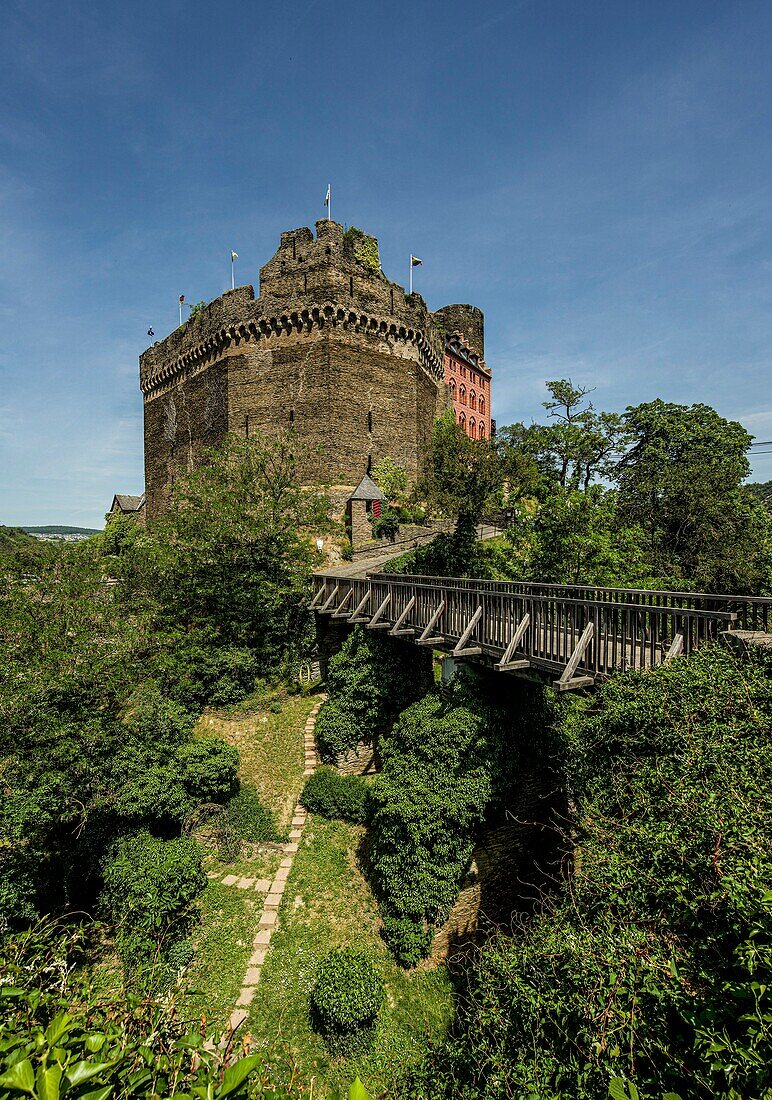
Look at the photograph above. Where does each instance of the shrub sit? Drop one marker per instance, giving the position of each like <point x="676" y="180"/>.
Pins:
<point x="331" y="794"/>
<point x="208" y="769"/>
<point x="446" y="762"/>
<point x="655" y="965"/>
<point x="347" y="995"/>
<point x="386" y="526"/>
<point x="275" y="707"/>
<point x="148" y="893"/>
<point x="151" y="716"/>
<point x="60" y="1037"/>
<point x="370" y="680"/>
<point x="249" y="818"/>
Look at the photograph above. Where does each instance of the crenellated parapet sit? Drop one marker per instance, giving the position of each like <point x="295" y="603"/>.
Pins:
<point x="158" y="369"/>
<point x="330" y="350"/>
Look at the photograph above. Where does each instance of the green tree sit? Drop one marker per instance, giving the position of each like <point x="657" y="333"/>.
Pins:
<point x="576" y="538"/>
<point x="391" y="479"/>
<point x="229" y="563"/>
<point x="681" y="480"/>
<point x="578" y="446"/>
<point x="464" y="479"/>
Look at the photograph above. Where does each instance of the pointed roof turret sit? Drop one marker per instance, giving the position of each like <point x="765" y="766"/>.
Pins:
<point x="367" y="490"/>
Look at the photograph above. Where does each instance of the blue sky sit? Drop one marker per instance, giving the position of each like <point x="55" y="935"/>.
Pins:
<point x="595" y="175"/>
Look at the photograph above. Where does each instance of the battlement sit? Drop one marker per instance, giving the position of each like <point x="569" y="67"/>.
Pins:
<point x="466" y="319"/>
<point x="333" y="279"/>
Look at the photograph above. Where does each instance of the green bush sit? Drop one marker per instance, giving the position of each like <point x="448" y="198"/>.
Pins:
<point x="61" y="1038"/>
<point x="448" y="762"/>
<point x="386" y="526"/>
<point x="208" y="768"/>
<point x="249" y="818"/>
<point x="369" y="681"/>
<point x="655" y="965"/>
<point x="333" y="795"/>
<point x="148" y="893"/>
<point x="347" y="995"/>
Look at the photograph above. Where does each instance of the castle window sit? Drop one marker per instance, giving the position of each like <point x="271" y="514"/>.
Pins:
<point x="472" y="399"/>
<point x="328" y="251"/>
<point x="463" y="395"/>
<point x="482" y="430"/>
<point x="392" y="301"/>
<point x="462" y="420"/>
<point x="294" y="249"/>
<point x="292" y="416"/>
<point x="453" y="388"/>
<point x="351" y="286"/>
<point x="472" y="425"/>
<point x="482" y="404"/>
<point x="305" y="282"/>
<point x="370" y="420"/>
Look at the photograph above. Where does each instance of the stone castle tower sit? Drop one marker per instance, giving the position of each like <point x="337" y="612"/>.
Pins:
<point x="330" y="349"/>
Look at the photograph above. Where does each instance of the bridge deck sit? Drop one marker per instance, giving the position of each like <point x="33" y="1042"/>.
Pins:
<point x="575" y="634"/>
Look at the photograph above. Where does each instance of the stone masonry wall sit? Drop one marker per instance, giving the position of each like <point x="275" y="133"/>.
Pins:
<point x="467" y="319"/>
<point x="331" y="350"/>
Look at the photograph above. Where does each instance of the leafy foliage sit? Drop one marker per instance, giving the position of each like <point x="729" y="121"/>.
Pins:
<point x="391" y="479"/>
<point x="209" y="767"/>
<point x="331" y="794"/>
<point x="58" y="1040"/>
<point x="149" y="887"/>
<point x="653" y="963"/>
<point x="681" y="481"/>
<point x="249" y="818"/>
<point x="369" y="681"/>
<point x="364" y="248"/>
<point x="347" y="994"/>
<point x="100" y="684"/>
<point x="443" y="772"/>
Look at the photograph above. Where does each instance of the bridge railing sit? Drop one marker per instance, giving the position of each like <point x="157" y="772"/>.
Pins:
<point x="751" y="612"/>
<point x="562" y="629"/>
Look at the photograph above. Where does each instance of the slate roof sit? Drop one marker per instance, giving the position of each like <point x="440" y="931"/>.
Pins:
<point x="128" y="503"/>
<point x="367" y="490"/>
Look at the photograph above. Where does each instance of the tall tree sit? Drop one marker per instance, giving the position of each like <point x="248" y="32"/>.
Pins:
<point x="681" y="480"/>
<point x="463" y="478"/>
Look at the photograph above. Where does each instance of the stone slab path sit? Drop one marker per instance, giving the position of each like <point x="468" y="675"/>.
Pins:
<point x="273" y="890"/>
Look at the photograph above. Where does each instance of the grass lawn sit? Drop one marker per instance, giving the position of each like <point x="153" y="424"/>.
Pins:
<point x="328" y="904"/>
<point x="271" y="747"/>
<point x="229" y="919"/>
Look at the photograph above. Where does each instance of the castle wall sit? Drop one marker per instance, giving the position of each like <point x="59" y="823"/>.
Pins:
<point x="331" y="349"/>
<point x="180" y="424"/>
<point x="467" y="319"/>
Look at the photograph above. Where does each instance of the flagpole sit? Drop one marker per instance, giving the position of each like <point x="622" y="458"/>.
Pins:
<point x="180" y="311"/>
<point x="233" y="276"/>
<point x="411" y="274"/>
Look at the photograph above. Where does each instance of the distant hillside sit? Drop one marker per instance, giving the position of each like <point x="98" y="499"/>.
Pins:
<point x="53" y="529"/>
<point x="13" y="539"/>
<point x="763" y="490"/>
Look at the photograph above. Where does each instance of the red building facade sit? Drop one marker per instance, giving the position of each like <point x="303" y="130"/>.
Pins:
<point x="470" y="385"/>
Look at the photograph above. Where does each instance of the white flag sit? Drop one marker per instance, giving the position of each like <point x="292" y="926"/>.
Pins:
<point x="234" y="256"/>
<point x="327" y="198"/>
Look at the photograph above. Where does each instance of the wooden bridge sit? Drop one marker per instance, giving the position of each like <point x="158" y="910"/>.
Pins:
<point x="575" y="634"/>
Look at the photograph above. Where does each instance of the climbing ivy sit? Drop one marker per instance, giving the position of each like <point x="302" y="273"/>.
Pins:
<point x="364" y="247"/>
<point x="370" y="680"/>
<point x="648" y="971"/>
